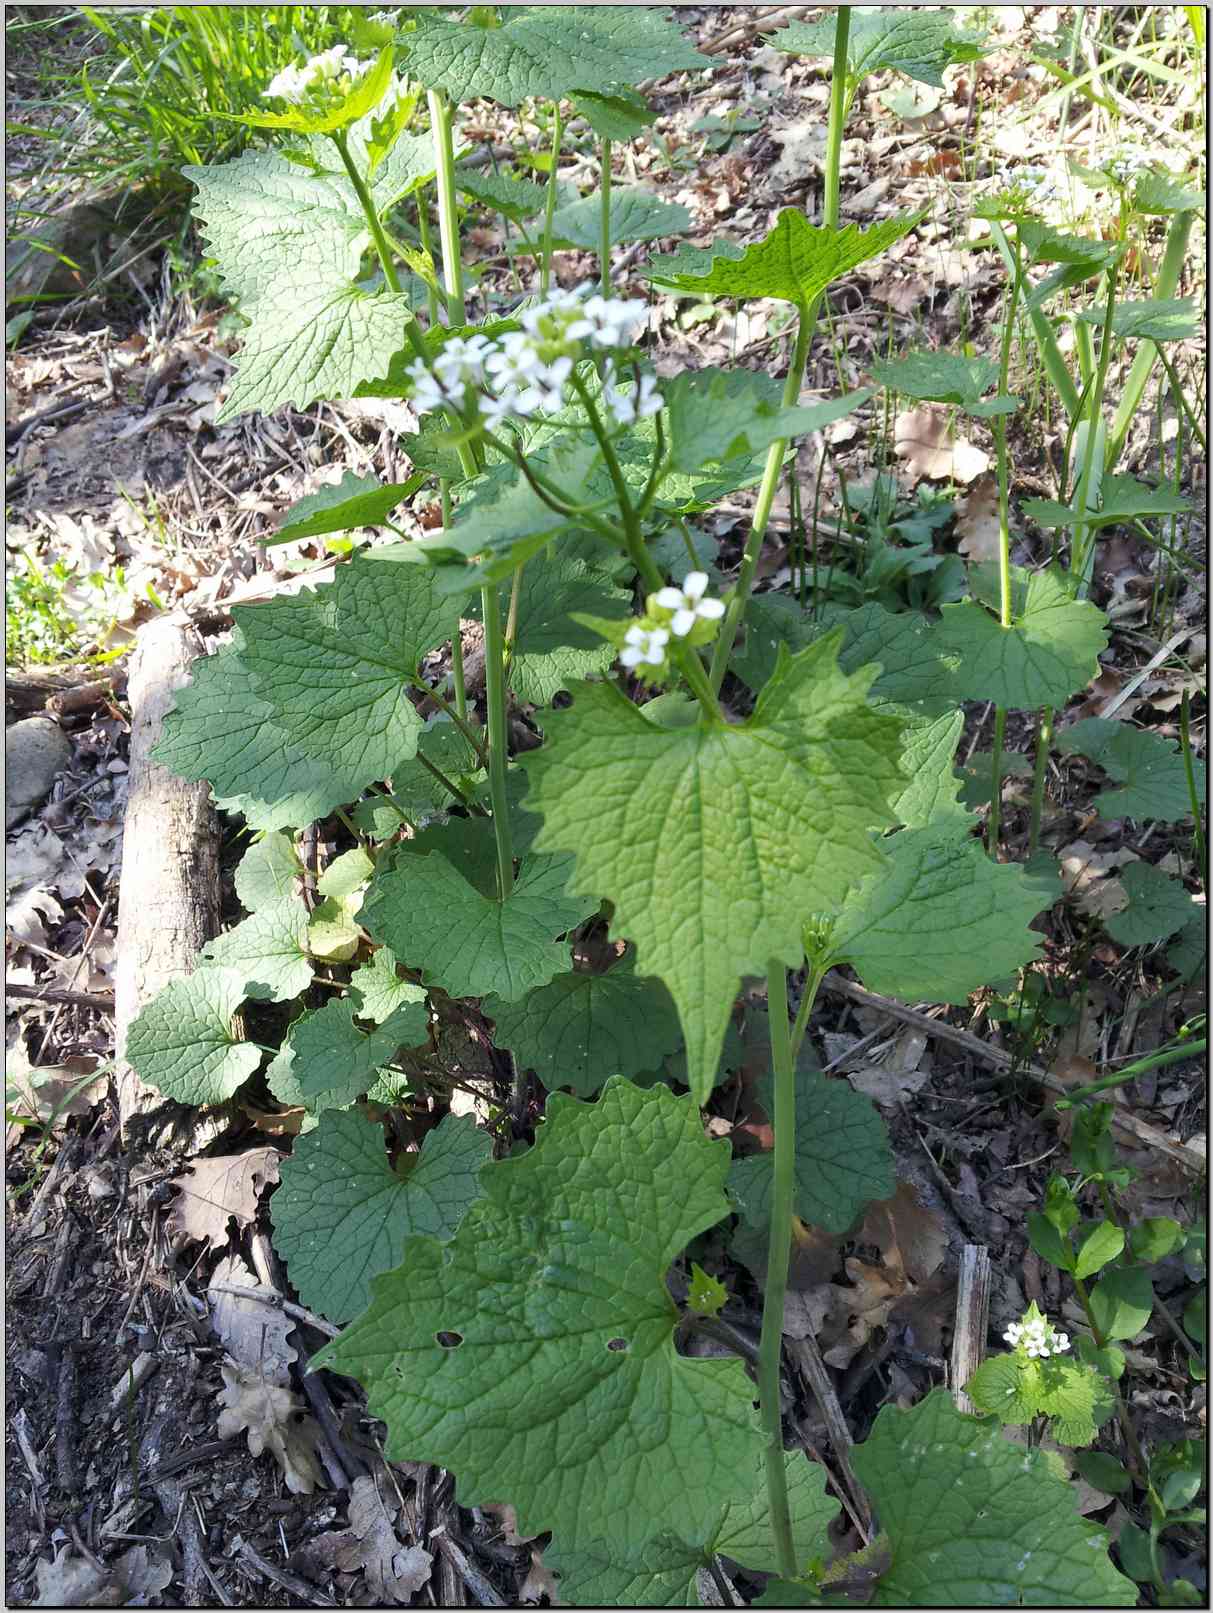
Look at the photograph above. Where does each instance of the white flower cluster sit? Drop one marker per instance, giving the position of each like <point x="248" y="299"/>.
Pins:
<point x="319" y="72"/>
<point x="673" y="613"/>
<point x="1038" y="1337"/>
<point x="1127" y="164"/>
<point x="1034" y="184"/>
<point x="688" y="603"/>
<point x="528" y="369"/>
<point x="644" y="646"/>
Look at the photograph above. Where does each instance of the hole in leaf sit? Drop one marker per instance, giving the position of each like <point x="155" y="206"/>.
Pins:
<point x="449" y="1341"/>
<point x="617" y="1344"/>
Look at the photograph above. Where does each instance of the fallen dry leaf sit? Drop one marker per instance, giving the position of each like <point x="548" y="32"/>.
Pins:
<point x="132" y="1580"/>
<point x="214" y="1189"/>
<point x="272" y="1416"/>
<point x="538" y="1584"/>
<point x="370" y="1546"/>
<point x="921" y="437"/>
<point x="253" y="1334"/>
<point x="902" y="293"/>
<point x="897" y="1074"/>
<point x="977" y="525"/>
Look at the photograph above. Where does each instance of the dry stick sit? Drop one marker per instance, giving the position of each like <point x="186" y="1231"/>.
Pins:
<point x="1143" y="1133"/>
<point x="972" y="1320"/>
<point x="311" y="1595"/>
<point x="102" y="1001"/>
<point x="485" y="1593"/>
<point x="270" y="1297"/>
<point x="809" y="1359"/>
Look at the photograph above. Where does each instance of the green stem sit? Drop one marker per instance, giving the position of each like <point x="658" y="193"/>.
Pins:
<point x="457" y="672"/>
<point x="839" y="101"/>
<point x="604" y="239"/>
<point x="1122" y="1411"/>
<point x="1185" y="741"/>
<point x="1046" y="339"/>
<point x="412" y="329"/>
<point x="1004" y="540"/>
<point x="549" y="206"/>
<point x="1174" y="254"/>
<point x="994" y="822"/>
<point x="1179" y="395"/>
<point x="767" y="489"/>
<point x="1079" y="546"/>
<point x="1044" y="738"/>
<point x="464" y="727"/>
<point x="1155" y="1061"/>
<point x="448" y="216"/>
<point x="633" y="536"/>
<point x="427" y="246"/>
<point x="770" y="1348"/>
<point x="448" y="784"/>
<point x="494" y="680"/>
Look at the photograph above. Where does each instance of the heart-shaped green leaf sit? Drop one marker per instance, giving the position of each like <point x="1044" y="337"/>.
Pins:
<point x="543" y="1334"/>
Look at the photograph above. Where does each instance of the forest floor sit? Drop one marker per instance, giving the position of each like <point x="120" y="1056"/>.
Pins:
<point x="117" y="472"/>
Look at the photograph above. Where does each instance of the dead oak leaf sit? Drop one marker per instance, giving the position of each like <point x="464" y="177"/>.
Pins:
<point x="394" y="1572"/>
<point x="216" y="1188"/>
<point x="932" y="452"/>
<point x="253" y="1334"/>
<point x="271" y="1416"/>
<point x="977" y="524"/>
<point x="132" y="1580"/>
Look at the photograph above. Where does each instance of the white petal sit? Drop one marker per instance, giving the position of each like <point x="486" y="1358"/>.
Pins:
<point x="631" y="657"/>
<point x="710" y="609"/>
<point x="655" y="655"/>
<point x="635" y="635"/>
<point x="669" y="598"/>
<point x="695" y="584"/>
<point x="684" y="621"/>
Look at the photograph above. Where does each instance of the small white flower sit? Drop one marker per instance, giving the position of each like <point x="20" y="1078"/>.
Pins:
<point x="463" y="360"/>
<point x="608" y="321"/>
<point x="688" y="603"/>
<point x="288" y="85"/>
<point x="514" y="361"/>
<point x="503" y="407"/>
<point x="645" y="646"/>
<point x="1014" y="1333"/>
<point x="433" y="390"/>
<point x="560" y="303"/>
<point x="627" y="409"/>
<point x="1061" y="1343"/>
<point x="294" y="83"/>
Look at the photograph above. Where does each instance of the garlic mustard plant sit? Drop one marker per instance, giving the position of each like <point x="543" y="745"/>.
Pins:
<point x="664" y="786"/>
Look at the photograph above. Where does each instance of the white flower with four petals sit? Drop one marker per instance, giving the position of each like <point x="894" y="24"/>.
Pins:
<point x="688" y="603"/>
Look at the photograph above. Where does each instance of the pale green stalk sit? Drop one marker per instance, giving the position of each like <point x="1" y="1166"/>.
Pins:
<point x="412" y="329"/>
<point x="549" y="206"/>
<point x="1044" y="738"/>
<point x="1046" y="339"/>
<point x="807" y="316"/>
<point x="1080" y="545"/>
<point x="688" y="659"/>
<point x="1166" y="285"/>
<point x="490" y="604"/>
<point x="604" y="239"/>
<point x="444" y="485"/>
<point x="770" y="1347"/>
<point x="999" y="426"/>
<point x="1185" y="741"/>
<point x="1177" y="392"/>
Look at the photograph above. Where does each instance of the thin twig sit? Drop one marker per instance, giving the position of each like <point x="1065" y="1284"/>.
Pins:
<point x="1143" y="1133"/>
